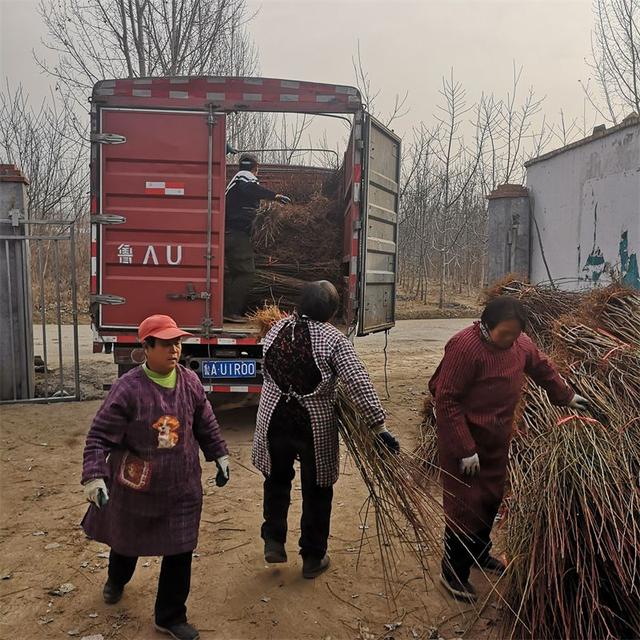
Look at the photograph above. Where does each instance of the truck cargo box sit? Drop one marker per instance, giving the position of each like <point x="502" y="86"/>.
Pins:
<point x="158" y="178"/>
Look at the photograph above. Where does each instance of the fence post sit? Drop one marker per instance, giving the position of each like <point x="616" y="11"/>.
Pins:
<point x="16" y="316"/>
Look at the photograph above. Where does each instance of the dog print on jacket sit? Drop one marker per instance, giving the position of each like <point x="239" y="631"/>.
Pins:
<point x="167" y="427"/>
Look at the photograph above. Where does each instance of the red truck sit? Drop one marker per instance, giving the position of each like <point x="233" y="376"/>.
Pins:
<point x="158" y="179"/>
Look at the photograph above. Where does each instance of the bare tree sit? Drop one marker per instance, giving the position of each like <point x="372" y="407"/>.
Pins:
<point x="615" y="57"/>
<point x="43" y="143"/>
<point x="449" y="168"/>
<point x="415" y="262"/>
<point x="511" y="137"/>
<point x="289" y="131"/>
<point x="98" y="39"/>
<point x="566" y="130"/>
<point x="542" y="137"/>
<point x="489" y="113"/>
<point x="370" y="95"/>
<point x="458" y="174"/>
<point x="443" y="211"/>
<point x="514" y="127"/>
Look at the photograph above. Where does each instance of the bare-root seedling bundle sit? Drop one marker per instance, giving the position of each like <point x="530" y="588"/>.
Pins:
<point x="294" y="244"/>
<point x="407" y="515"/>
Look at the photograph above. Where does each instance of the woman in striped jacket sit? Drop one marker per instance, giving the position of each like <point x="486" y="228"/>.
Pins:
<point x="476" y="388"/>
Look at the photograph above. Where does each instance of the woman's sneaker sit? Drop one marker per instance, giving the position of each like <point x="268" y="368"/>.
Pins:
<point x="459" y="589"/>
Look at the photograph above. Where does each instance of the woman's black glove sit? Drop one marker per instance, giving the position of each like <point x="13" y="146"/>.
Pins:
<point x="386" y="440"/>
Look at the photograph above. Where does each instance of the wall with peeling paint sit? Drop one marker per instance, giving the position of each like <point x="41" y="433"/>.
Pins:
<point x="586" y="210"/>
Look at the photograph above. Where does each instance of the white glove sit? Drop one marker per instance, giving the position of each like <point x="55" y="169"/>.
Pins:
<point x="470" y="466"/>
<point x="96" y="491"/>
<point x="222" y="477"/>
<point x="283" y="199"/>
<point x="579" y="403"/>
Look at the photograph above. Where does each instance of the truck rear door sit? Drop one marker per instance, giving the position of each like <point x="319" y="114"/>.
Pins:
<point x="156" y="214"/>
<point x="379" y="232"/>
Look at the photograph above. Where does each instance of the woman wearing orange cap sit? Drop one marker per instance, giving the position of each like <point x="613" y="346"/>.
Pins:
<point x="142" y="474"/>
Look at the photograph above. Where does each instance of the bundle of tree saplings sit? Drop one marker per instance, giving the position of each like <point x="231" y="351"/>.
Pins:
<point x="572" y="526"/>
<point x="408" y="517"/>
<point x="571" y="521"/>
<point x="294" y="244"/>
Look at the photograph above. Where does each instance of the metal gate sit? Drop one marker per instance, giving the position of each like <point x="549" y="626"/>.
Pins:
<point x="38" y="310"/>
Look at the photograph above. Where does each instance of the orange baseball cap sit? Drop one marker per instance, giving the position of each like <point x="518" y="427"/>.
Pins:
<point x="162" y="327"/>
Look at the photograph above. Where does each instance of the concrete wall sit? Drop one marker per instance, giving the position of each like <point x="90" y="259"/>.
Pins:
<point x="586" y="202"/>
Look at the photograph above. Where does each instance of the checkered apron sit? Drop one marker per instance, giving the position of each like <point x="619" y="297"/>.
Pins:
<point x="336" y="360"/>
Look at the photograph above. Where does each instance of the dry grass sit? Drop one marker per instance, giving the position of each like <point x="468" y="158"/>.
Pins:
<point x="266" y="318"/>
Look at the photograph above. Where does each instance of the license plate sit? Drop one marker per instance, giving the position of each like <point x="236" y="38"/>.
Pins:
<point x="228" y="368"/>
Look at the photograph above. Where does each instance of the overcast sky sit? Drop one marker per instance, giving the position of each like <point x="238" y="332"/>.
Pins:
<point x="406" y="46"/>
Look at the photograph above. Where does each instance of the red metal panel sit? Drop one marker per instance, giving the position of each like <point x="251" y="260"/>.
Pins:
<point x="161" y="248"/>
<point x="229" y="94"/>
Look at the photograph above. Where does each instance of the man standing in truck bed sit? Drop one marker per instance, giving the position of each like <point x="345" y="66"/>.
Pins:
<point x="243" y="197"/>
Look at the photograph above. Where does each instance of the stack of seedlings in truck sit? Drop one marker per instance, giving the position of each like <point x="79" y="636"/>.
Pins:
<point x="297" y="243"/>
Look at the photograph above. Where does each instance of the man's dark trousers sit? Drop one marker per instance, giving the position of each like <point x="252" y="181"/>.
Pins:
<point x="239" y="271"/>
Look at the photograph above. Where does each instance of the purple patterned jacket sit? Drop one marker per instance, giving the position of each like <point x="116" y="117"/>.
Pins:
<point x="145" y="441"/>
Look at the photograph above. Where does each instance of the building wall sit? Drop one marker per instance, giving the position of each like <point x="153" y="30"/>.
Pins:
<point x="586" y="203"/>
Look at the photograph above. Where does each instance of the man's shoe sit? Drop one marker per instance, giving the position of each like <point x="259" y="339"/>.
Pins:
<point x="179" y="631"/>
<point x="493" y="565"/>
<point x="236" y="319"/>
<point x="458" y="589"/>
<point x="112" y="593"/>
<point x="274" y="552"/>
<point x="313" y="567"/>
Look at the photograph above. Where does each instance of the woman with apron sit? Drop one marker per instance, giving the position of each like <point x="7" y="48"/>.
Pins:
<point x="304" y="358"/>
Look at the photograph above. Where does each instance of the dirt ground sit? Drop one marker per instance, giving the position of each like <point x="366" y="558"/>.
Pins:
<point x="457" y="305"/>
<point x="234" y="594"/>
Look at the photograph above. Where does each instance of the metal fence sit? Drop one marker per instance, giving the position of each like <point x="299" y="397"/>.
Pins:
<point x="39" y="311"/>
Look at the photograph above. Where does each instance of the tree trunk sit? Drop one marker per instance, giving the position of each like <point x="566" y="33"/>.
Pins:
<point x="443" y="267"/>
